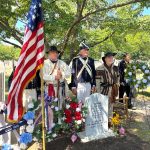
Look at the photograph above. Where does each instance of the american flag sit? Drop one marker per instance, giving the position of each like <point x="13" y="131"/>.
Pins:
<point x="31" y="59"/>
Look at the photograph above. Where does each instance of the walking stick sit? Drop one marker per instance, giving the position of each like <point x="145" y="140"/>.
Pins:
<point x="58" y="96"/>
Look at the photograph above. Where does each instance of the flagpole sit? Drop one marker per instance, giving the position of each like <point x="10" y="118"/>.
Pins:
<point x="43" y="111"/>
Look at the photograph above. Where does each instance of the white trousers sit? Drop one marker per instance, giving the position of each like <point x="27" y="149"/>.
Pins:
<point x="83" y="91"/>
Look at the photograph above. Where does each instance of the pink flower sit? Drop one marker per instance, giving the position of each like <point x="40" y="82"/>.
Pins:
<point x="74" y="138"/>
<point x="122" y="131"/>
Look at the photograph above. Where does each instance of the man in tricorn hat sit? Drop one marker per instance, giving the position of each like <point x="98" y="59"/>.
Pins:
<point x="83" y="74"/>
<point x="107" y="79"/>
<point x="55" y="71"/>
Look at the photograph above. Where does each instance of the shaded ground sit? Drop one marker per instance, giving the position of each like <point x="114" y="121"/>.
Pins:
<point x="129" y="142"/>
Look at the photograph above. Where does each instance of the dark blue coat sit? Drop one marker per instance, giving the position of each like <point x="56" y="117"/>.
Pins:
<point x="85" y="77"/>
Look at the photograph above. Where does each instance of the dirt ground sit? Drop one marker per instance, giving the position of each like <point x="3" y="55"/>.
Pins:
<point x="128" y="142"/>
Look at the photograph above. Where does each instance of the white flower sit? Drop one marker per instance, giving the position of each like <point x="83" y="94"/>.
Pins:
<point x="79" y="121"/>
<point x="134" y="80"/>
<point x="139" y="81"/>
<point x="143" y="67"/>
<point x="144" y="81"/>
<point x="49" y="140"/>
<point x="23" y="146"/>
<point x="146" y="71"/>
<point x="56" y="99"/>
<point x="50" y="131"/>
<point x="148" y="77"/>
<point x="53" y="125"/>
<point x="134" y="67"/>
<point x="30" y="122"/>
<point x="54" y="135"/>
<point x="56" y="108"/>
<point x="63" y="118"/>
<point x="127" y="80"/>
<point x="35" y="139"/>
<point x="78" y="109"/>
<point x="130" y="73"/>
<point x="83" y="120"/>
<point x="136" y="86"/>
<point x="52" y="106"/>
<point x="30" y="128"/>
<point x="67" y="106"/>
<point x="31" y="105"/>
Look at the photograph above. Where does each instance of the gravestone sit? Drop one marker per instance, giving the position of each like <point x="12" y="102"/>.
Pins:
<point x="96" y="123"/>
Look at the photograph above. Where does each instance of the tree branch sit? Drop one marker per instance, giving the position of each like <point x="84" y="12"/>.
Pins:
<point x="106" y="38"/>
<point x="79" y="19"/>
<point x="6" y="41"/>
<point x="13" y="32"/>
<point x="110" y="7"/>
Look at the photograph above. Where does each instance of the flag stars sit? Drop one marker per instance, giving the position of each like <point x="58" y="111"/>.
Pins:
<point x="34" y="6"/>
<point x="32" y="27"/>
<point x="40" y="4"/>
<point x="35" y="11"/>
<point x="33" y="17"/>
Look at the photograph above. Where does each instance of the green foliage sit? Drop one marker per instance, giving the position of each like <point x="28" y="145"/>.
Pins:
<point x="9" y="52"/>
<point x="125" y="27"/>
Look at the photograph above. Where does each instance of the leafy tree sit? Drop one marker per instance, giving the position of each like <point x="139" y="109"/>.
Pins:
<point x="104" y="24"/>
<point x="9" y="52"/>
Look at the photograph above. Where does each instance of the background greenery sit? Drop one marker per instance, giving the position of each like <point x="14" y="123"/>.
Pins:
<point x="114" y="25"/>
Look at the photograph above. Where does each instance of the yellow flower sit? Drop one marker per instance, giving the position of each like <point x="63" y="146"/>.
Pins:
<point x="115" y="120"/>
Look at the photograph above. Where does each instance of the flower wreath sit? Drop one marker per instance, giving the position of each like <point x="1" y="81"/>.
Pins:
<point x="68" y="121"/>
<point x="132" y="76"/>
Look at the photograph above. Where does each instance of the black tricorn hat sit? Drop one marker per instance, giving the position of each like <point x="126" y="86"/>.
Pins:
<point x="53" y="49"/>
<point x="83" y="46"/>
<point x="108" y="54"/>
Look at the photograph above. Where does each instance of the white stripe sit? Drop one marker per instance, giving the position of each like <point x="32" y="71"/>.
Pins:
<point x="27" y="36"/>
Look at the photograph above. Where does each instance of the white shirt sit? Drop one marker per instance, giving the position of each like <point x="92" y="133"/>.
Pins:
<point x="47" y="70"/>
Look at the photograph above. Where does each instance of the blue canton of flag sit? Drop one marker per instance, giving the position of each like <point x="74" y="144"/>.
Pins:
<point x="34" y="15"/>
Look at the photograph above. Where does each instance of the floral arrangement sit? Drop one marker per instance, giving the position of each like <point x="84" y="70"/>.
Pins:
<point x="74" y="117"/>
<point x="133" y="73"/>
<point x="117" y="126"/>
<point x="68" y="121"/>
